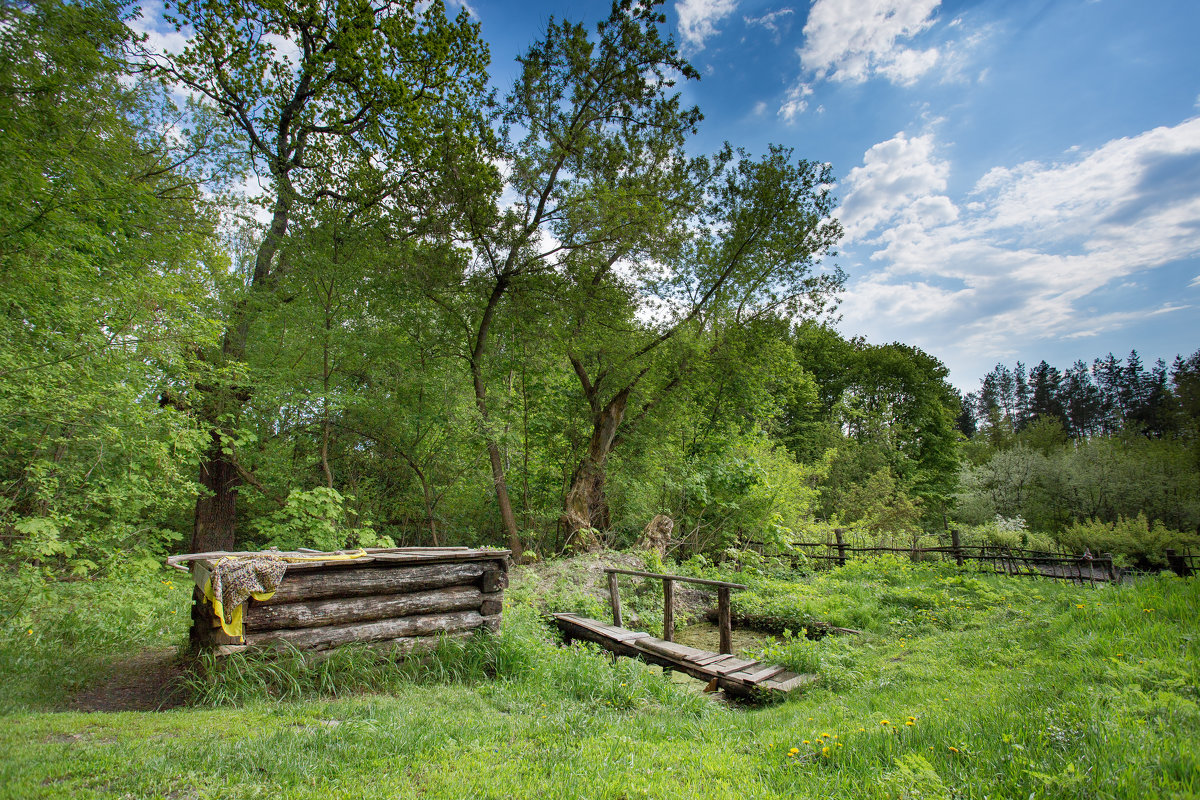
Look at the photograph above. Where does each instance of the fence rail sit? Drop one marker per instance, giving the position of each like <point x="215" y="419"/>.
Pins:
<point x="1015" y="561"/>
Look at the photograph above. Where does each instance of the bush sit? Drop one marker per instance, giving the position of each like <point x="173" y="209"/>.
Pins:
<point x="1006" y="532"/>
<point x="1135" y="538"/>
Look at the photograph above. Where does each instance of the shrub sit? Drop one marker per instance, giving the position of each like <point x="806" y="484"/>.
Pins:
<point x="1133" y="537"/>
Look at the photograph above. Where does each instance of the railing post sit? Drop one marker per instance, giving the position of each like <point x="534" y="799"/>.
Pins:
<point x="841" y="546"/>
<point x="615" y="598"/>
<point x="1112" y="569"/>
<point x="956" y="544"/>
<point x="725" y="619"/>
<point x="668" y="609"/>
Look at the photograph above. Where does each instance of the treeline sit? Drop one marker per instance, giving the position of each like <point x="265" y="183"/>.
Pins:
<point x="1111" y="396"/>
<point x="1103" y="445"/>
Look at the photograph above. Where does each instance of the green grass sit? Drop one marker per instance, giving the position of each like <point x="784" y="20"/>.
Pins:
<point x="1015" y="688"/>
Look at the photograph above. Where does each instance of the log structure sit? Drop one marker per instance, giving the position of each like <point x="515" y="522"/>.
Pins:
<point x="393" y="597"/>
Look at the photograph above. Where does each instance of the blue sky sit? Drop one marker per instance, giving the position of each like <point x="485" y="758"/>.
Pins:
<point x="1018" y="180"/>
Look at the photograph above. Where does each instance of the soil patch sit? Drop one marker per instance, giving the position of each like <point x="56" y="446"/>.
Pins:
<point x="150" y="681"/>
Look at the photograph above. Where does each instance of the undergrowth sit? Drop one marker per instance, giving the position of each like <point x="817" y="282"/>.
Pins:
<point x="962" y="684"/>
<point x="59" y="636"/>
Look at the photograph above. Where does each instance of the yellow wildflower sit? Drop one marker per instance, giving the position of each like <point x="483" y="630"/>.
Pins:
<point x="884" y="722"/>
<point x="793" y="751"/>
<point x="953" y="749"/>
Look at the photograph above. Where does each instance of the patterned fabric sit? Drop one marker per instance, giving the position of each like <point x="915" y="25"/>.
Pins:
<point x="235" y="579"/>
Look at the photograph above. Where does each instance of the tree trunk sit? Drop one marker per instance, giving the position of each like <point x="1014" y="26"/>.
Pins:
<point x="214" y="525"/>
<point x="507" y="517"/>
<point x="586" y="503"/>
<point x="216" y="508"/>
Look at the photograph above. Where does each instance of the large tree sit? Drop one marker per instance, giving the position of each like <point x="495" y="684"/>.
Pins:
<point x="594" y="124"/>
<point x="360" y="105"/>
<point x="750" y="248"/>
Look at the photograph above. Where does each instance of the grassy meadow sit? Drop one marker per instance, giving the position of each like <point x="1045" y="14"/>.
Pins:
<point x="961" y="684"/>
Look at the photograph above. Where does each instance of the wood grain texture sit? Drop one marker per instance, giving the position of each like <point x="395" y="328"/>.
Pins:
<point x="334" y="635"/>
<point x="370" y="580"/>
<point x="344" y="610"/>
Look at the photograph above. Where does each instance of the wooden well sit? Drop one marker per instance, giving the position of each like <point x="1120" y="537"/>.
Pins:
<point x="390" y="597"/>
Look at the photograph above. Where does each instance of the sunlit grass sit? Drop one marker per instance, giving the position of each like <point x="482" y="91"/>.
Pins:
<point x="989" y="687"/>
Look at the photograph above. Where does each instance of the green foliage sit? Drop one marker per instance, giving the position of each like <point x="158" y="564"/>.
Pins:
<point x="317" y="519"/>
<point x="107" y="255"/>
<point x="1141" y="542"/>
<point x="1007" y="532"/>
<point x="1102" y="478"/>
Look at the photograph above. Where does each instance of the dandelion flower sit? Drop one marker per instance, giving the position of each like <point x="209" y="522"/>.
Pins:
<point x="824" y="751"/>
<point x="910" y="722"/>
<point x="953" y="749"/>
<point x="806" y="742"/>
<point x="884" y="722"/>
<point x="793" y="751"/>
<point x="1079" y="605"/>
<point x="824" y="735"/>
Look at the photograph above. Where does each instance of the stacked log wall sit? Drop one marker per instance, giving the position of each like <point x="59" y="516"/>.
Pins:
<point x="383" y="603"/>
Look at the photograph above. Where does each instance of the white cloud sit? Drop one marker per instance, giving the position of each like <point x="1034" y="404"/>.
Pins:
<point x="698" y="19"/>
<point x="853" y="40"/>
<point x="795" y="103"/>
<point x="1024" y="258"/>
<point x="1195" y="282"/>
<point x="900" y="181"/>
<point x="771" y="21"/>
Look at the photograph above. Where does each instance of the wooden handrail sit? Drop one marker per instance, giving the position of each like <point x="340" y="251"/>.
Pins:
<point x="724" y="614"/>
<point x="683" y="578"/>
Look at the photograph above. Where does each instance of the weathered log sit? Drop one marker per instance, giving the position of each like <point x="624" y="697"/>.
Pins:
<point x="495" y="579"/>
<point x="372" y="580"/>
<point x="492" y="604"/>
<point x="343" y="610"/>
<point x="334" y="635"/>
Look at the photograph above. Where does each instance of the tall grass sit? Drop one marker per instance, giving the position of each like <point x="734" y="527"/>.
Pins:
<point x="525" y="657"/>
<point x="58" y="636"/>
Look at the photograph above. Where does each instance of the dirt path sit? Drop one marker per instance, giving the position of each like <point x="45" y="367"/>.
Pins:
<point x="149" y="681"/>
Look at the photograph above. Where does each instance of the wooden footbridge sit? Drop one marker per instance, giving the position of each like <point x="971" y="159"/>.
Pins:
<point x="736" y="676"/>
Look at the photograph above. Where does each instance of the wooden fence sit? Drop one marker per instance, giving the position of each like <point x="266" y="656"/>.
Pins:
<point x="1015" y="561"/>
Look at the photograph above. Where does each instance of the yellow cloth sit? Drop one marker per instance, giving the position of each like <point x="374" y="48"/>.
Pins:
<point x="235" y="579"/>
